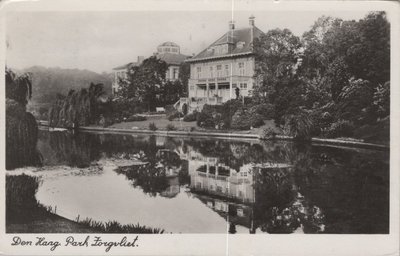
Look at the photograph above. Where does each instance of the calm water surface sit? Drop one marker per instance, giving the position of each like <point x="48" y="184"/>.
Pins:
<point x="185" y="185"/>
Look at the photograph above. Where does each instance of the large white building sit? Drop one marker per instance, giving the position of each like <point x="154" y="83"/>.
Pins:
<point x="168" y="52"/>
<point x="224" y="69"/>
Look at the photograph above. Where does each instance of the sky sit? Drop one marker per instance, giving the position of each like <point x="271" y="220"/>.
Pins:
<point x="100" y="41"/>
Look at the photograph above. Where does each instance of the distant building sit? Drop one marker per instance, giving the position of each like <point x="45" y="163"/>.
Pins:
<point x="121" y="73"/>
<point x="224" y="69"/>
<point x="168" y="52"/>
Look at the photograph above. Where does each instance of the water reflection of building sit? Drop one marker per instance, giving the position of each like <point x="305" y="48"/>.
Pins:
<point x="218" y="179"/>
<point x="172" y="170"/>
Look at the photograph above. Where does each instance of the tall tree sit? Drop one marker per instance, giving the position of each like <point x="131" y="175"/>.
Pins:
<point x="21" y="126"/>
<point x="276" y="55"/>
<point x="144" y="83"/>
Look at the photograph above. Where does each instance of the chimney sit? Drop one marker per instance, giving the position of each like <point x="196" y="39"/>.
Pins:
<point x="140" y="59"/>
<point x="231" y="25"/>
<point x="251" y="20"/>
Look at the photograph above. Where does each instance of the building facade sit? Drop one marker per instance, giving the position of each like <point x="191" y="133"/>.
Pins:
<point x="224" y="70"/>
<point x="168" y="52"/>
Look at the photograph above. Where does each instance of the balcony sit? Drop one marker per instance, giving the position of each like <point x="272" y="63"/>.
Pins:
<point x="222" y="79"/>
<point x="205" y="100"/>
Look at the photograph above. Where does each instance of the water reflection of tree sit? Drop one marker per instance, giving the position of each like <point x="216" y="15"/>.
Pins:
<point x="352" y="188"/>
<point x="75" y="150"/>
<point x="153" y="177"/>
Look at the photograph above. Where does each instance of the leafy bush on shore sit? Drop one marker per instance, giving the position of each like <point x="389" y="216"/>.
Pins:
<point x="170" y="127"/>
<point x="152" y="127"/>
<point x="191" y="117"/>
<point x="116" y="227"/>
<point x="21" y="203"/>
<point x="245" y="119"/>
<point x="174" y="115"/>
<point x="298" y="125"/>
<point x="218" y="116"/>
<point x="340" y="128"/>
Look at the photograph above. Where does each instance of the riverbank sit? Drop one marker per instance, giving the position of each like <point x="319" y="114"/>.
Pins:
<point x="51" y="223"/>
<point x="254" y="134"/>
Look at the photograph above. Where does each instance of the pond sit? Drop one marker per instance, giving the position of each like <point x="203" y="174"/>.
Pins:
<point x="199" y="185"/>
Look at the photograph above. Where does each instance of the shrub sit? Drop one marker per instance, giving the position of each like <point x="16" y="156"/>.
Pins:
<point x="152" y="127"/>
<point x="321" y="121"/>
<point x="340" y="128"/>
<point x="218" y="116"/>
<point x="269" y="134"/>
<point x="105" y="121"/>
<point x="266" y="110"/>
<point x="240" y="120"/>
<point x="135" y="118"/>
<point x="190" y="117"/>
<point x="169" y="108"/>
<point x="170" y="127"/>
<point x="298" y="125"/>
<point x="244" y="119"/>
<point x="230" y="107"/>
<point x="173" y="115"/>
<point x="205" y="120"/>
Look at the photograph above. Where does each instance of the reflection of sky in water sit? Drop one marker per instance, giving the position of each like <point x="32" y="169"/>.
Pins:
<point x="110" y="196"/>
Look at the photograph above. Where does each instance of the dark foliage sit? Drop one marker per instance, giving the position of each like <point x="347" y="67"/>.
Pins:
<point x="191" y="117"/>
<point x="21" y="126"/>
<point x="80" y="108"/>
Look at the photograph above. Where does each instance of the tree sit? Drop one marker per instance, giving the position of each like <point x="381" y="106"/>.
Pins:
<point x="348" y="63"/>
<point x="278" y="83"/>
<point x="80" y="108"/>
<point x="18" y="88"/>
<point x="184" y="76"/>
<point x="145" y="82"/>
<point x="21" y="126"/>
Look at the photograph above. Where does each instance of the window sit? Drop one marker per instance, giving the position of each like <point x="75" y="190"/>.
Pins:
<point x="198" y="72"/>
<point x="243" y="86"/>
<point x="174" y="50"/>
<point x="219" y="70"/>
<point x="240" y="44"/>
<point x="241" y="68"/>
<point x="175" y="73"/>
<point x="226" y="70"/>
<point x="191" y="87"/>
<point x="167" y="49"/>
<point x="211" y="72"/>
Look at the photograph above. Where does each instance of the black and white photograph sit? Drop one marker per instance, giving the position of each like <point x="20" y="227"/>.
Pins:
<point x="239" y="120"/>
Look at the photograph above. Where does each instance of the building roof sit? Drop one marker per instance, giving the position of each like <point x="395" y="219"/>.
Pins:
<point x="127" y="66"/>
<point x="172" y="58"/>
<point x="232" y="37"/>
<point x="169" y="44"/>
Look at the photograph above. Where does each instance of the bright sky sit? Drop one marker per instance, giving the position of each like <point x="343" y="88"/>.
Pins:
<point x="100" y="41"/>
